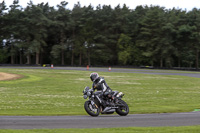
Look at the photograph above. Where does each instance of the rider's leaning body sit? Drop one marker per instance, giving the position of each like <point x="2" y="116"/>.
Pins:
<point x="100" y="84"/>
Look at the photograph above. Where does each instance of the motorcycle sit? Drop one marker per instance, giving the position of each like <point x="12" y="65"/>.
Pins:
<point x="97" y="104"/>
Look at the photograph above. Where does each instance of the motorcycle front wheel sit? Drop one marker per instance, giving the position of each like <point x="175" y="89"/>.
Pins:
<point x="93" y="111"/>
<point x="122" y="110"/>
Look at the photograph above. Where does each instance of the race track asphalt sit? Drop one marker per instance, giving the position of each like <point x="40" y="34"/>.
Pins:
<point x="103" y="121"/>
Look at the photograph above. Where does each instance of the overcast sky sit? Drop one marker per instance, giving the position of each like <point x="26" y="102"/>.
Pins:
<point x="183" y="4"/>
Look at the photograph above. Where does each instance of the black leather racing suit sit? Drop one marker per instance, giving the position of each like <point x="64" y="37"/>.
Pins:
<point x="100" y="85"/>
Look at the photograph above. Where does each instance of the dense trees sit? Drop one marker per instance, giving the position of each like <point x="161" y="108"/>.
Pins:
<point x="144" y="36"/>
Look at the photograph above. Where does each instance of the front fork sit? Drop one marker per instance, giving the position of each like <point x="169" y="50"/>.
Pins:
<point x="93" y="104"/>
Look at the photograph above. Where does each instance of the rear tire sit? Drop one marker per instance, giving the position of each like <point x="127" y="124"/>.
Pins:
<point x="90" y="110"/>
<point x="123" y="110"/>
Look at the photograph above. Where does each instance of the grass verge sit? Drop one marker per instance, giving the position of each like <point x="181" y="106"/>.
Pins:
<point x="185" y="129"/>
<point x="59" y="92"/>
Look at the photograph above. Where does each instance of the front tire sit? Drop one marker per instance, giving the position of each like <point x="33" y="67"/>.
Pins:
<point x="90" y="109"/>
<point x="122" y="110"/>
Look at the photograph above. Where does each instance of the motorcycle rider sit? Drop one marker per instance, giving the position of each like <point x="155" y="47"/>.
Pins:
<point x="100" y="84"/>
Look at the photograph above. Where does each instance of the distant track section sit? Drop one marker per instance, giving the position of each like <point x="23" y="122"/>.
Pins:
<point x="120" y="70"/>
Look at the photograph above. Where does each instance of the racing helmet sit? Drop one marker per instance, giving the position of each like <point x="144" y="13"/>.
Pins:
<point x="94" y="76"/>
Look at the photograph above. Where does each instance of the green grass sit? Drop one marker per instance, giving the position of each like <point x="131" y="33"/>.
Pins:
<point x="187" y="129"/>
<point x="59" y="92"/>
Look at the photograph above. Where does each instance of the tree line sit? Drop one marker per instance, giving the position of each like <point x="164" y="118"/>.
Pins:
<point x="144" y="36"/>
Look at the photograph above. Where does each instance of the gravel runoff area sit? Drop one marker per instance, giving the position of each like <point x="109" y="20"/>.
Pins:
<point x="9" y="76"/>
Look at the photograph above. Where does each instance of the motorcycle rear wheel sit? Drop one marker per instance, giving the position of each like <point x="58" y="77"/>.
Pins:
<point x="90" y="109"/>
<point x="122" y="110"/>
